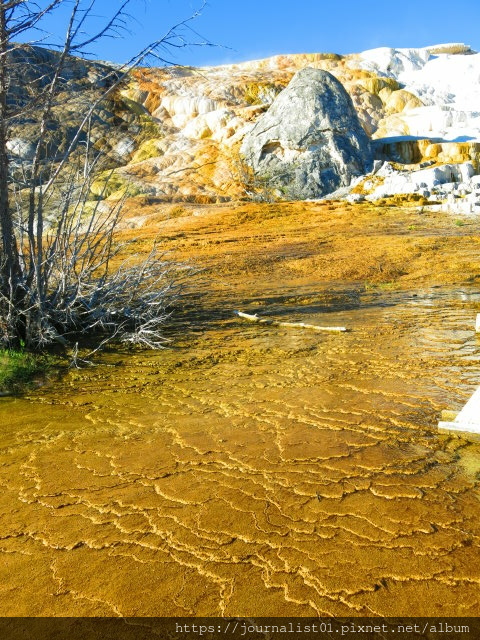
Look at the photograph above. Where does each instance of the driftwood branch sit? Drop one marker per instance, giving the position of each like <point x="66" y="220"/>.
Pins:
<point x="303" y="325"/>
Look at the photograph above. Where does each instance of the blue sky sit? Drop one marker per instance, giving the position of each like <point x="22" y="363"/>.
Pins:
<point x="260" y="28"/>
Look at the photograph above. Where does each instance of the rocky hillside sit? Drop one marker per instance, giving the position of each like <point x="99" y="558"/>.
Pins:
<point x="177" y="134"/>
<point x="80" y="85"/>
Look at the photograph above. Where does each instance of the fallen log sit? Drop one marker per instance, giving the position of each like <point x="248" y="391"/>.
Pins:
<point x="277" y="323"/>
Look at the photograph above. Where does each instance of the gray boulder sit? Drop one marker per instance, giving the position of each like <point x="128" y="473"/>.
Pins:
<point x="310" y="142"/>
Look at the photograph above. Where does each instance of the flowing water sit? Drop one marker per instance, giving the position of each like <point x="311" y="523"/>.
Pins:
<point x="254" y="470"/>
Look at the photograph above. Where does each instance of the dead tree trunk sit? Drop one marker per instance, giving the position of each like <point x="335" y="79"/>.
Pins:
<point x="55" y="278"/>
<point x="9" y="258"/>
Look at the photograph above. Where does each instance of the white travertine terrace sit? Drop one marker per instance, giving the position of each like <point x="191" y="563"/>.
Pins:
<point x="468" y="420"/>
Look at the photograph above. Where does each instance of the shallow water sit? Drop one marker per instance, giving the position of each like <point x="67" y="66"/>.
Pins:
<point x="254" y="470"/>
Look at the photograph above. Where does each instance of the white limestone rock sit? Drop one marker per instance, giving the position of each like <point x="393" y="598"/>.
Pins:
<point x="449" y="178"/>
<point x="355" y="198"/>
<point x="22" y="149"/>
<point x="125" y="147"/>
<point x="214" y="124"/>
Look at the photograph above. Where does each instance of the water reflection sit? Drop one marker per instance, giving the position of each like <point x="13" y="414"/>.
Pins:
<point x="254" y="470"/>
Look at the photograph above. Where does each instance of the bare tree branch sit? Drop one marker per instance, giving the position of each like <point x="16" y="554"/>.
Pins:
<point x="60" y="276"/>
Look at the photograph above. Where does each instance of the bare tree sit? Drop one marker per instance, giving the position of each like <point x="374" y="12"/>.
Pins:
<point x="58" y="279"/>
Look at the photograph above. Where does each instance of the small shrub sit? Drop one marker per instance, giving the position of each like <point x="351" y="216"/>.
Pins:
<point x="256" y="188"/>
<point x="18" y="368"/>
<point x="177" y="211"/>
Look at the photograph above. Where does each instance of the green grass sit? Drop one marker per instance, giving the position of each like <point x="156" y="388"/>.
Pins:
<point x="18" y="370"/>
